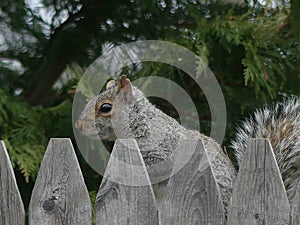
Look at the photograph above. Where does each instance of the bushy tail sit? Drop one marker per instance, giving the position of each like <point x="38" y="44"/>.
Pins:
<point x="279" y="123"/>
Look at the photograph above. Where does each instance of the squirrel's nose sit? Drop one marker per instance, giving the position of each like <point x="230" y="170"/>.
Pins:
<point x="79" y="125"/>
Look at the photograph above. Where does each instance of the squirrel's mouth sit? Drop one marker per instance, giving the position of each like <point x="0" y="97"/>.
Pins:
<point x="100" y="136"/>
<point x="94" y="131"/>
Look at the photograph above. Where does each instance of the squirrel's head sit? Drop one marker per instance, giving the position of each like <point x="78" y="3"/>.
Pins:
<point x="96" y="120"/>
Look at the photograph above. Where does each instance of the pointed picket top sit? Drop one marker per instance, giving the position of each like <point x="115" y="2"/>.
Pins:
<point x="60" y="195"/>
<point x="125" y="195"/>
<point x="193" y="195"/>
<point x="259" y="196"/>
<point x="11" y="205"/>
<point x="295" y="207"/>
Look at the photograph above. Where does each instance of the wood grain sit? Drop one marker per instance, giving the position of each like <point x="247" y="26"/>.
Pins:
<point x="193" y="196"/>
<point x="125" y="195"/>
<point x="11" y="205"/>
<point x="60" y="196"/>
<point x="259" y="196"/>
<point x="295" y="208"/>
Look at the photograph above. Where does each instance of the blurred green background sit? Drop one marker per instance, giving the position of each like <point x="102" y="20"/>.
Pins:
<point x="252" y="47"/>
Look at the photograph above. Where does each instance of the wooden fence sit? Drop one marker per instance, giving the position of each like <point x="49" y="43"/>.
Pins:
<point x="60" y="195"/>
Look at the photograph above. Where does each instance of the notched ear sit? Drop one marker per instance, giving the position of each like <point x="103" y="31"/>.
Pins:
<point x="124" y="88"/>
<point x="123" y="82"/>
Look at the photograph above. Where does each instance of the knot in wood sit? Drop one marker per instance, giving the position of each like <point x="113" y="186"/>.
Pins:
<point x="49" y="205"/>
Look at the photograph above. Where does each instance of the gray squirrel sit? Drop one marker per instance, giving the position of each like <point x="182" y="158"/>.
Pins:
<point x="279" y="123"/>
<point x="123" y="111"/>
<point x="158" y="134"/>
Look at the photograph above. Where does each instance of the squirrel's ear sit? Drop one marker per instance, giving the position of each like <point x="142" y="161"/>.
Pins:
<point x="124" y="88"/>
<point x="110" y="84"/>
<point x="123" y="82"/>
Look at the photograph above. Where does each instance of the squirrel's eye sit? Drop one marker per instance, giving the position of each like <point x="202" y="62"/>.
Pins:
<point x="105" y="108"/>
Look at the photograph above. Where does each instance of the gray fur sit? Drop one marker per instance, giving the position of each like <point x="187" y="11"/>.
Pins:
<point x="156" y="133"/>
<point x="279" y="123"/>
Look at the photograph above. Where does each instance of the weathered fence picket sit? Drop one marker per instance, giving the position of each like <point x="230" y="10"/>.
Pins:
<point x="60" y="195"/>
<point x="193" y="196"/>
<point x="259" y="196"/>
<point x="126" y="195"/>
<point x="295" y="208"/>
<point x="11" y="205"/>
